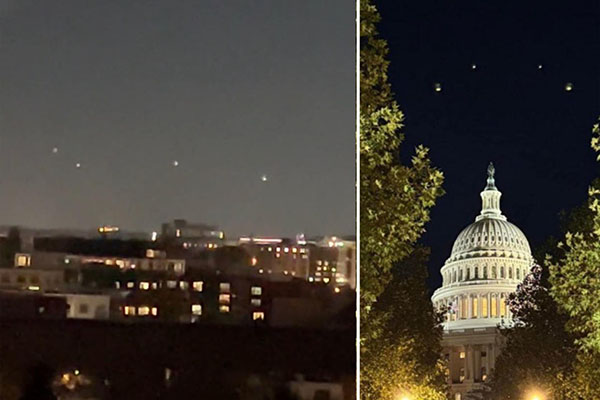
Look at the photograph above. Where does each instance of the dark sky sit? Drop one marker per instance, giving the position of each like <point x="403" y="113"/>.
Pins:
<point x="231" y="90"/>
<point x="506" y="110"/>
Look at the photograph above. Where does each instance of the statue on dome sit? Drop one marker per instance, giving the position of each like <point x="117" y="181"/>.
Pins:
<point x="491" y="170"/>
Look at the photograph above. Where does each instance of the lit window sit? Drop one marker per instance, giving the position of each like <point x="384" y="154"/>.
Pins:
<point x="197" y="286"/>
<point x="502" y="307"/>
<point x="224" y="287"/>
<point x="326" y="280"/>
<point x="286" y="250"/>
<point x="311" y="279"/>
<point x="494" y="310"/>
<point x="255" y="302"/>
<point x="254" y="261"/>
<point x="154" y="285"/>
<point x="224" y="308"/>
<point x="258" y="315"/>
<point x="484" y="307"/>
<point x="178" y="233"/>
<point x="475" y="309"/>
<point x="130" y="285"/>
<point x="144" y="285"/>
<point x="154" y="311"/>
<point x="458" y="396"/>
<point x="461" y="375"/>
<point x="197" y="309"/>
<point x="129" y="310"/>
<point x="183" y="285"/>
<point x="171" y="284"/>
<point x="483" y="374"/>
<point x="118" y="285"/>
<point x="462" y="354"/>
<point x="23" y="260"/>
<point x="224" y="298"/>
<point x="144" y="310"/>
<point x="256" y="290"/>
<point x="319" y="262"/>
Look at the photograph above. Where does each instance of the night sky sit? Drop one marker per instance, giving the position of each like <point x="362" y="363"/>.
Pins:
<point x="230" y="91"/>
<point x="506" y="110"/>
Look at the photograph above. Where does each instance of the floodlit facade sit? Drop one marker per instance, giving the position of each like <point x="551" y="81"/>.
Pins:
<point x="489" y="259"/>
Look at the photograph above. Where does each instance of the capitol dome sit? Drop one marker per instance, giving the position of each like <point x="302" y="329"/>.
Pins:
<point x="489" y="258"/>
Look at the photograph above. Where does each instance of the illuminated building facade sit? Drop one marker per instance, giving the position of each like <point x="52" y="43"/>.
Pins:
<point x="275" y="256"/>
<point x="333" y="262"/>
<point x="192" y="235"/>
<point x="489" y="259"/>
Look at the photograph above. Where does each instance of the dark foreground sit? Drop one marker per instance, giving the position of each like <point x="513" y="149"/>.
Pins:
<point x="162" y="361"/>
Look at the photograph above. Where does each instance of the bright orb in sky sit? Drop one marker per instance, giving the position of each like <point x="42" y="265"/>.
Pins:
<point x="78" y="165"/>
<point x="437" y="87"/>
<point x="55" y="150"/>
<point x="175" y="163"/>
<point x="263" y="178"/>
<point x="540" y="66"/>
<point x="473" y="66"/>
<point x="568" y="86"/>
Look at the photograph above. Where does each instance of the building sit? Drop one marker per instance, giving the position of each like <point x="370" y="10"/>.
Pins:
<point x="85" y="305"/>
<point x="191" y="235"/>
<point x="31" y="279"/>
<point x="489" y="259"/>
<point x="333" y="262"/>
<point x="277" y="256"/>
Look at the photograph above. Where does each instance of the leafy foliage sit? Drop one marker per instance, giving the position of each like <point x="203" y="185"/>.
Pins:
<point x="395" y="198"/>
<point x="576" y="274"/>
<point x="554" y="344"/>
<point x="405" y="356"/>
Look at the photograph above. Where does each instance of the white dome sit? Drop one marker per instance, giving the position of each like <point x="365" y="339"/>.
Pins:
<point x="490" y="257"/>
<point x="491" y="237"/>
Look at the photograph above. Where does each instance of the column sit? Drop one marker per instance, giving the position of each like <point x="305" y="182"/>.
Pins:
<point x="476" y="364"/>
<point x="469" y="363"/>
<point x="469" y="307"/>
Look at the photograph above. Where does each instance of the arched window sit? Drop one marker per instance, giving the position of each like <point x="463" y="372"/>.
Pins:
<point x="476" y="275"/>
<point x="460" y="275"/>
<point x="453" y="276"/>
<point x="494" y="272"/>
<point x="468" y="273"/>
<point x="475" y="304"/>
<point x="510" y="273"/>
<point x="494" y="305"/>
<point x="518" y="273"/>
<point x="501" y="272"/>
<point x="485" y="276"/>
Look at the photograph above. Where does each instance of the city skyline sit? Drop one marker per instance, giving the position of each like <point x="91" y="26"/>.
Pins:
<point x="133" y="114"/>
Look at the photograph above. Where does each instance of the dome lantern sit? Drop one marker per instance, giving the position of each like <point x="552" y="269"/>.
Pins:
<point x="490" y="198"/>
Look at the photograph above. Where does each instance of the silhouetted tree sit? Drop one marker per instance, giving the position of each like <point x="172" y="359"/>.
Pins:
<point x="38" y="383"/>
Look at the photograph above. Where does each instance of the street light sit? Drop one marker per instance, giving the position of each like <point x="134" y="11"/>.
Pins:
<point x="535" y="395"/>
